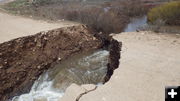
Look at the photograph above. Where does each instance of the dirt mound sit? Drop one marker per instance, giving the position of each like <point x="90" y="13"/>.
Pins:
<point x="22" y="60"/>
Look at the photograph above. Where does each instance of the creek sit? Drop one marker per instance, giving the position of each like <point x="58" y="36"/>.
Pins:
<point x="136" y="23"/>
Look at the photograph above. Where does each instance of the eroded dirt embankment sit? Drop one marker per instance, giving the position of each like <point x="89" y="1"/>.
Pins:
<point x="114" y="57"/>
<point x="22" y="60"/>
<point x="149" y="62"/>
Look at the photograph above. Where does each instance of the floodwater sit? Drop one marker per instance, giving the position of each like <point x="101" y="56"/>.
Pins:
<point x="84" y="68"/>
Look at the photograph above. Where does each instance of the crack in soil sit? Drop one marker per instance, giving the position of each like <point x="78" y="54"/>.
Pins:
<point x="88" y="91"/>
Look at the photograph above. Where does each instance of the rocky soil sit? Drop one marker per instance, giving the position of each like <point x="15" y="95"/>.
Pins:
<point x="22" y="60"/>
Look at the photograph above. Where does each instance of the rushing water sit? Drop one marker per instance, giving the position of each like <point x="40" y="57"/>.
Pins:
<point x="136" y="23"/>
<point x="85" y="68"/>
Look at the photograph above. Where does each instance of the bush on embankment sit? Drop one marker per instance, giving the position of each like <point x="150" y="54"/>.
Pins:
<point x="168" y="13"/>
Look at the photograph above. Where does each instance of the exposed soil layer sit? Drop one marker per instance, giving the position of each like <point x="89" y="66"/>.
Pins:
<point x="114" y="57"/>
<point x="22" y="60"/>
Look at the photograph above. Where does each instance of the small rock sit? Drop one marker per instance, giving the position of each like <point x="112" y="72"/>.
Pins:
<point x="94" y="38"/>
<point x="45" y="38"/>
<point x="35" y="40"/>
<point x="9" y="44"/>
<point x="112" y="34"/>
<point x="18" y="40"/>
<point x="43" y="32"/>
<point x="19" y="63"/>
<point x="59" y="59"/>
<point x="1" y="67"/>
<point x="38" y="67"/>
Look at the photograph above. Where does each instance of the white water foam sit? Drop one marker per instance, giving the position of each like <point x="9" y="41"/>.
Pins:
<point x="83" y="70"/>
<point x="41" y="91"/>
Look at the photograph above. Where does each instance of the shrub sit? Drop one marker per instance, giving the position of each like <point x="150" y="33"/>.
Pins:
<point x="168" y="13"/>
<point x="95" y="17"/>
<point x="45" y="2"/>
<point x="106" y="17"/>
<point x="134" y="8"/>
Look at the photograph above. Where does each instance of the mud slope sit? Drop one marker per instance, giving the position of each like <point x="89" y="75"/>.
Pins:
<point x="22" y="60"/>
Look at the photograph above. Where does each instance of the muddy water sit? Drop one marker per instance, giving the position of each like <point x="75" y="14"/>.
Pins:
<point x="84" y="68"/>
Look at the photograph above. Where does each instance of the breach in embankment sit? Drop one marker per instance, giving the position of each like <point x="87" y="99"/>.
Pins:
<point x="24" y="59"/>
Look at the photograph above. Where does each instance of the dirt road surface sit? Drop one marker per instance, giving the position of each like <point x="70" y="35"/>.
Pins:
<point x="15" y="26"/>
<point x="149" y="62"/>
